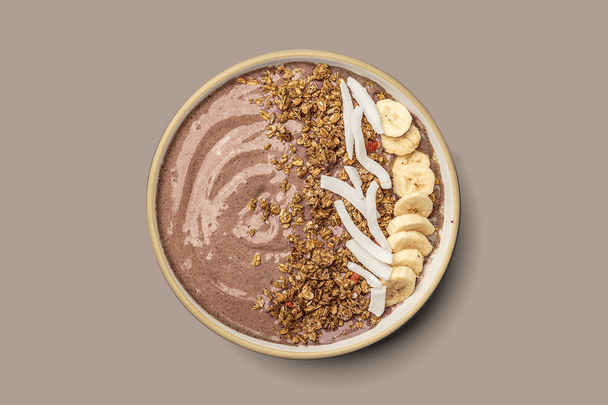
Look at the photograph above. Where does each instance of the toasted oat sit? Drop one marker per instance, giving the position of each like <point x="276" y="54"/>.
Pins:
<point x="285" y="185"/>
<point x="301" y="171"/>
<point x="259" y="303"/>
<point x="265" y="206"/>
<point x="252" y="204"/>
<point x="256" y="260"/>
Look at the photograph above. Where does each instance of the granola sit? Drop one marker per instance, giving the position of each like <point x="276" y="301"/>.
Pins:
<point x="320" y="293"/>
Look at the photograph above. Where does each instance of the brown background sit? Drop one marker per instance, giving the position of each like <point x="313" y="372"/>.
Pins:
<point x="518" y="90"/>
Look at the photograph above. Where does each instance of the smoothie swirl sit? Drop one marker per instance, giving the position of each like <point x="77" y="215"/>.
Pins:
<point x="213" y="166"/>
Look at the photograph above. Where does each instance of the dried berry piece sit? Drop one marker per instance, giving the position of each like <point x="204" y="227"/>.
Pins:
<point x="371" y="146"/>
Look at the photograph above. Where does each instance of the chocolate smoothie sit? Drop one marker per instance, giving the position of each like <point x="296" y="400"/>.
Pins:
<point x="218" y="161"/>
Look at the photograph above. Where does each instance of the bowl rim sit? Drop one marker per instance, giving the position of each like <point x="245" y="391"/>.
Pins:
<point x="151" y="191"/>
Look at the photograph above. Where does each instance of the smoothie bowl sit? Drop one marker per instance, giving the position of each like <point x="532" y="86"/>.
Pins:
<point x="303" y="204"/>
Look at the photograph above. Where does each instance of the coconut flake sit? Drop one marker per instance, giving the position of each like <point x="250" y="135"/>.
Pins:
<point x="377" y="301"/>
<point x="367" y="103"/>
<point x="347" y="111"/>
<point x="371" y="165"/>
<point x="345" y="191"/>
<point x="369" y="277"/>
<point x="374" y="265"/>
<point x="372" y="217"/>
<point x="365" y="242"/>
<point x="353" y="175"/>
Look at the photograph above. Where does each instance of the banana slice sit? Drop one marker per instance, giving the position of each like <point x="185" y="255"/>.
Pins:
<point x="410" y="222"/>
<point x="396" y="118"/>
<point x="411" y="258"/>
<point x="400" y="285"/>
<point x="410" y="240"/>
<point x="402" y="145"/>
<point x="414" y="178"/>
<point x="414" y="203"/>
<point x="414" y="157"/>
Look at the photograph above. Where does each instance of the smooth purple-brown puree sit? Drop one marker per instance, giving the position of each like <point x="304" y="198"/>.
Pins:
<point x="214" y="164"/>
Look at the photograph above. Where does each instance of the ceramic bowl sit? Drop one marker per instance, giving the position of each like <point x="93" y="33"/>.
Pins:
<point x="433" y="271"/>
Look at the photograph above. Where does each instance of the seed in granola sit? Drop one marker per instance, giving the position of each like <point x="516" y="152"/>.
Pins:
<point x="251" y="232"/>
<point x="267" y="146"/>
<point x="257" y="260"/>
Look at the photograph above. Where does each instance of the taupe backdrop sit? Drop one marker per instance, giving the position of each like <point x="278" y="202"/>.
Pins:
<point x="518" y="89"/>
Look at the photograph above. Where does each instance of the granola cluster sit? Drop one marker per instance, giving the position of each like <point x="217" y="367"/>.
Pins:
<point x="316" y="291"/>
